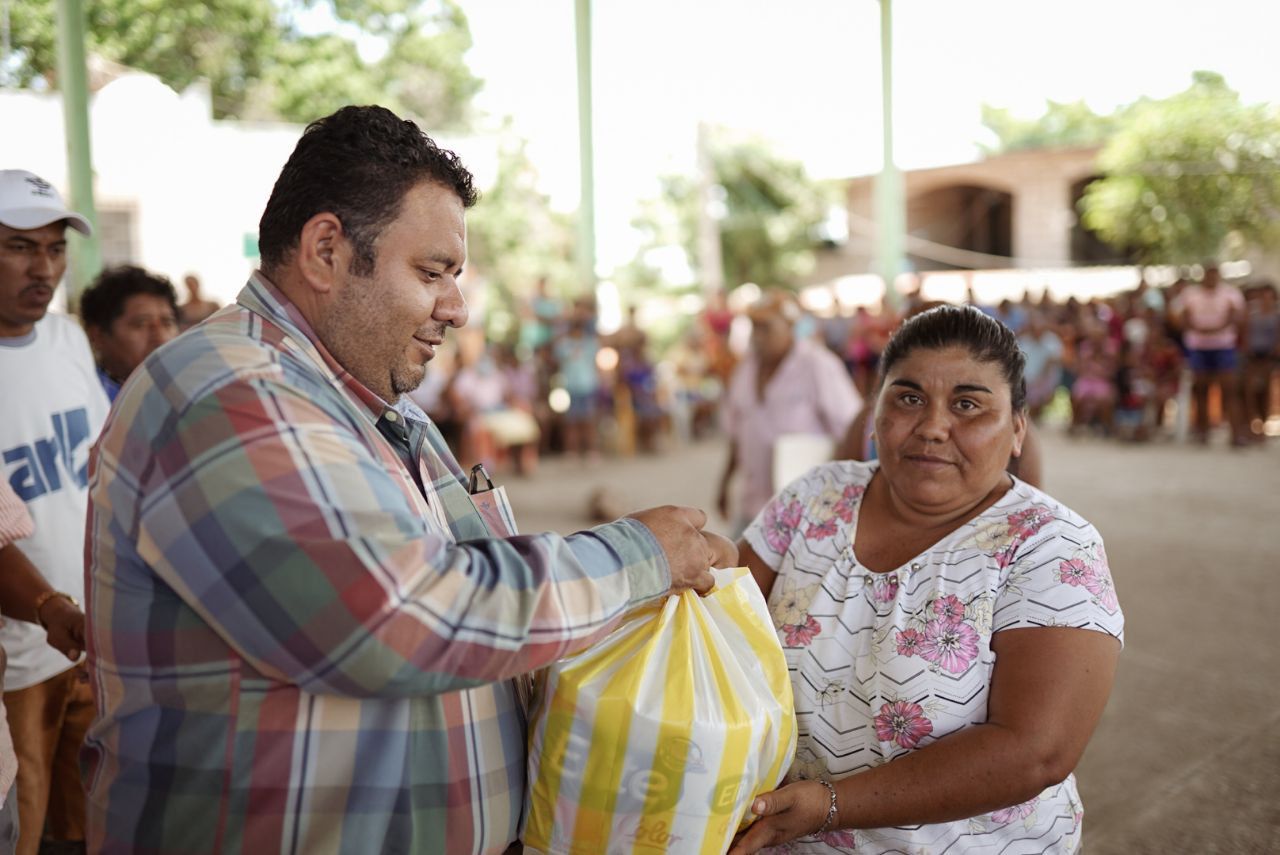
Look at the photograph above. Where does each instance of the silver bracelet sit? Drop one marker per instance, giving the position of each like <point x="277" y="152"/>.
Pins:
<point x="831" y="811"/>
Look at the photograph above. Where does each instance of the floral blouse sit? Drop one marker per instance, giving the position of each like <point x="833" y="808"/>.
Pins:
<point x="882" y="663"/>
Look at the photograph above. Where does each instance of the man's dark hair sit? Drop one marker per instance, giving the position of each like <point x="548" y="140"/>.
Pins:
<point x="357" y="164"/>
<point x="103" y="301"/>
<point x="986" y="339"/>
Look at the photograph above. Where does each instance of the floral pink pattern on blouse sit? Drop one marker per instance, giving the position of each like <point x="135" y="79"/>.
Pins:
<point x="884" y="663"/>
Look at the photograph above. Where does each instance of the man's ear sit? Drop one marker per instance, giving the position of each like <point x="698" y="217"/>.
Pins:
<point x="323" y="253"/>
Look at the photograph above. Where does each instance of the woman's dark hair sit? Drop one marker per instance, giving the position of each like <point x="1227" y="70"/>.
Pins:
<point x="986" y="339"/>
<point x="103" y="301"/>
<point x="357" y="164"/>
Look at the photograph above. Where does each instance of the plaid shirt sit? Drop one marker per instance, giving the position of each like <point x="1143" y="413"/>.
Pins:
<point x="300" y="643"/>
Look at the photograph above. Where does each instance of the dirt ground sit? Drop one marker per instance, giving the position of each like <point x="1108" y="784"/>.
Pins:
<point x="1187" y="757"/>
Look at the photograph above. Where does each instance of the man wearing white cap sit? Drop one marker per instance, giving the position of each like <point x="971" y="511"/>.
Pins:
<point x="54" y="410"/>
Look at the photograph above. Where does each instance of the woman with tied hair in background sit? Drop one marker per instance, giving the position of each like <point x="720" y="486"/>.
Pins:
<point x="952" y="632"/>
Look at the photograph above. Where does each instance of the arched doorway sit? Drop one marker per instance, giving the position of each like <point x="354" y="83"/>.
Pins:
<point x="1086" y="246"/>
<point x="971" y="217"/>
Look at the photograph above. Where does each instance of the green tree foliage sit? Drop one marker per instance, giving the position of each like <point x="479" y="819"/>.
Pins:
<point x="1190" y="177"/>
<point x="767" y="208"/>
<point x="1067" y="124"/>
<point x="261" y="64"/>
<point x="514" y="238"/>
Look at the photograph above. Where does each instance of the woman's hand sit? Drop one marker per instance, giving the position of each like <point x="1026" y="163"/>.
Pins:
<point x="796" y="810"/>
<point x="725" y="550"/>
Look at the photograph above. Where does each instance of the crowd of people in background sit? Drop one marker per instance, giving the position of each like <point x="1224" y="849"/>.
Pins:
<point x="1129" y="366"/>
<point x="1151" y="363"/>
<point x="1148" y="363"/>
<point x="560" y="386"/>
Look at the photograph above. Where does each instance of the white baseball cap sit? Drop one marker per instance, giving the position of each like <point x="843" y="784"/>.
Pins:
<point x="27" y="201"/>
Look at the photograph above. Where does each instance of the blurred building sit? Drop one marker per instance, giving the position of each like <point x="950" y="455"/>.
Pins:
<point x="1016" y="210"/>
<point x="1021" y="204"/>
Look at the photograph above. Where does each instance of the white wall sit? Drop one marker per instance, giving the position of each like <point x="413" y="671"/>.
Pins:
<point x="198" y="185"/>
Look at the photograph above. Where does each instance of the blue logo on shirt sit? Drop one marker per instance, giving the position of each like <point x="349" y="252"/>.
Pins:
<point x="46" y="464"/>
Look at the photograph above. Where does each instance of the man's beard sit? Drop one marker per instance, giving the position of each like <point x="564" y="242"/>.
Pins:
<point x="407" y="377"/>
<point x="355" y="335"/>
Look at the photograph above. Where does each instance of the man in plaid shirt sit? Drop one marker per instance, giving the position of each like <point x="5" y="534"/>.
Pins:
<point x="303" y="636"/>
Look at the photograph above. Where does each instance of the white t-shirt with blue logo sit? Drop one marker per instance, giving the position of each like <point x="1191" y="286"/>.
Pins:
<point x="51" y="411"/>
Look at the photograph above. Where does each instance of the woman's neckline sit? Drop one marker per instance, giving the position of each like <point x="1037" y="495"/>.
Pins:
<point x="1012" y="491"/>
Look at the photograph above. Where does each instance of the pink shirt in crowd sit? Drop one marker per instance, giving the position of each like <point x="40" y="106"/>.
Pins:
<point x="810" y="393"/>
<point x="15" y="524"/>
<point x="1210" y="308"/>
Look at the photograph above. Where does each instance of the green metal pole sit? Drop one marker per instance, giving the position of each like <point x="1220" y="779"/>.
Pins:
<point x="891" y="209"/>
<point x="73" y="80"/>
<point x="586" y="152"/>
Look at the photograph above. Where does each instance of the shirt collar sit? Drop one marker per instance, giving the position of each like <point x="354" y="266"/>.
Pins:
<point x="263" y="298"/>
<point x="109" y="384"/>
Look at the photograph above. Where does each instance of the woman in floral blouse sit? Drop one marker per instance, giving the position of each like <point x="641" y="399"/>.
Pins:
<point x="952" y="632"/>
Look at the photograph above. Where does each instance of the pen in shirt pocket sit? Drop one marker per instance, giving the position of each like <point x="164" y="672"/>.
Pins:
<point x="491" y="503"/>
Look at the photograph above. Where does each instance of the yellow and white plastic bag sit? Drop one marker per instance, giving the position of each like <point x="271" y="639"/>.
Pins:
<point x="658" y="738"/>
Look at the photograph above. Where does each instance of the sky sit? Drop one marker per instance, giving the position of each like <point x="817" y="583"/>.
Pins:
<point x="805" y="75"/>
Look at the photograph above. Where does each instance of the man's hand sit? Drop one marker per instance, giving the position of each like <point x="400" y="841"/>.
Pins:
<point x="64" y="624"/>
<point x="689" y="553"/>
<point x="794" y="811"/>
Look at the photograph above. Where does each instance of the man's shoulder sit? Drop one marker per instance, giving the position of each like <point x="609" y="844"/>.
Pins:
<point x="57" y="355"/>
<point x="234" y="348"/>
<point x="56" y="323"/>
<point x="58" y="330"/>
